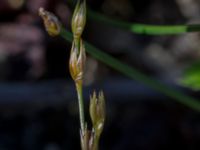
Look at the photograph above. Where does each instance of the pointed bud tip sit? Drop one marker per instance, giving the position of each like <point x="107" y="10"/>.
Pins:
<point x="41" y="11"/>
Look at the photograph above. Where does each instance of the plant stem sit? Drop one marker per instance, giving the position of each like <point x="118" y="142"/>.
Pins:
<point x="79" y="89"/>
<point x="144" y="28"/>
<point x="136" y="75"/>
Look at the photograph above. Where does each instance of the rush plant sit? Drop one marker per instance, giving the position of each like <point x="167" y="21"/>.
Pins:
<point x="89" y="138"/>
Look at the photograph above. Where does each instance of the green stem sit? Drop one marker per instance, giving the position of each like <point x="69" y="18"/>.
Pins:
<point x="135" y="74"/>
<point x="79" y="89"/>
<point x="144" y="28"/>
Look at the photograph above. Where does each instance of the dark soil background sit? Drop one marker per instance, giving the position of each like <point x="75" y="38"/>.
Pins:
<point x="38" y="103"/>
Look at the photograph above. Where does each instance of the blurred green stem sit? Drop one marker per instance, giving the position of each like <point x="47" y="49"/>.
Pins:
<point x="144" y="28"/>
<point x="134" y="74"/>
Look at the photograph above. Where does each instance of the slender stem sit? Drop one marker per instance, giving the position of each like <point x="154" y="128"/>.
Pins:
<point x="79" y="89"/>
<point x="144" y="28"/>
<point x="136" y="75"/>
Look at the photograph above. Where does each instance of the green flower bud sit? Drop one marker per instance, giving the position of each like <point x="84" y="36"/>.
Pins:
<point x="79" y="19"/>
<point x="77" y="61"/>
<point x="51" y="22"/>
<point x="97" y="112"/>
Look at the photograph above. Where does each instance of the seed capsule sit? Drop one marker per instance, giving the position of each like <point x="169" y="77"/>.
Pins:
<point x="79" y="19"/>
<point x="51" y="22"/>
<point x="77" y="61"/>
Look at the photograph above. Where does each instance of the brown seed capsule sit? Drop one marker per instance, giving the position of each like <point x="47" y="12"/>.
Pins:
<point x="77" y="61"/>
<point x="79" y="19"/>
<point x="51" y="22"/>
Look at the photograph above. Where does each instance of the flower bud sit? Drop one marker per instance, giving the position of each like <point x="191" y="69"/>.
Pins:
<point x="77" y="61"/>
<point x="51" y="22"/>
<point x="97" y="112"/>
<point x="79" y="19"/>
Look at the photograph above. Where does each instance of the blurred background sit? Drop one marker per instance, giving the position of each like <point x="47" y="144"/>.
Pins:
<point x="38" y="103"/>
